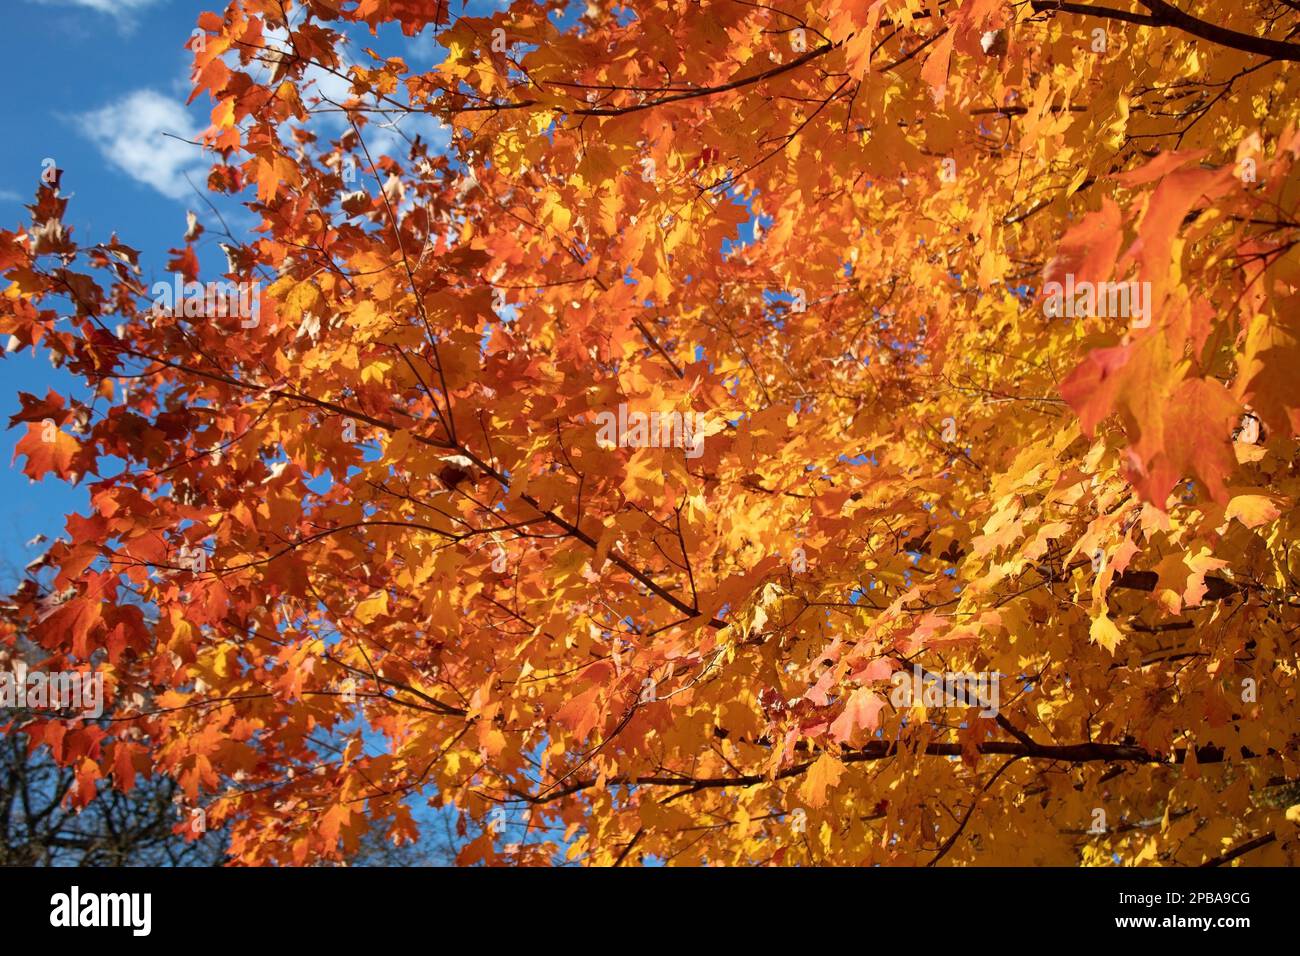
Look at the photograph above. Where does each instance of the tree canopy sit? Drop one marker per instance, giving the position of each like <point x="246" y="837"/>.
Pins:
<point x="970" y="332"/>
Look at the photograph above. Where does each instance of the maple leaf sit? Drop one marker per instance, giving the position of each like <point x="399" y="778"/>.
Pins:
<point x="862" y="710"/>
<point x="581" y="713"/>
<point x="371" y="608"/>
<point x="1105" y="633"/>
<point x="824" y="774"/>
<point x="1252" y="510"/>
<point x="186" y="262"/>
<point x="48" y="449"/>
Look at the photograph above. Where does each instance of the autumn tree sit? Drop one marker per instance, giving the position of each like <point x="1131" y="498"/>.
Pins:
<point x="970" y="331"/>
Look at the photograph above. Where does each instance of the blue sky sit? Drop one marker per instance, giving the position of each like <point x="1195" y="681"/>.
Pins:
<point x="73" y="70"/>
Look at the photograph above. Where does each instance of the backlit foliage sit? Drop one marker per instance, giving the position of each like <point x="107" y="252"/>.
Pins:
<point x="827" y="229"/>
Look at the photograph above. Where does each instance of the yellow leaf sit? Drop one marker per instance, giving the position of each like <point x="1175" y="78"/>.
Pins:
<point x="826" y="772"/>
<point x="375" y="371"/>
<point x="1252" y="510"/>
<point x="1105" y="633"/>
<point x="223" y="114"/>
<point x="372" y="607"/>
<point x="302" y="298"/>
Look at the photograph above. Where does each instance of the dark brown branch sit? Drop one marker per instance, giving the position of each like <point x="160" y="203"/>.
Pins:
<point x="1246" y="42"/>
<point x="1242" y="850"/>
<point x="676" y="98"/>
<point x="881" y="749"/>
<point x="1091" y="10"/>
<point x="1166" y="15"/>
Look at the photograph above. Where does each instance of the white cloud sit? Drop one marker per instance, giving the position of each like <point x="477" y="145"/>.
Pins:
<point x="118" y="8"/>
<point x="129" y="134"/>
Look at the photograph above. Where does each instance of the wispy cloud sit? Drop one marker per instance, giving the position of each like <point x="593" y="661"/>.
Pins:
<point x="117" y="8"/>
<point x="129" y="135"/>
<point x="87" y="16"/>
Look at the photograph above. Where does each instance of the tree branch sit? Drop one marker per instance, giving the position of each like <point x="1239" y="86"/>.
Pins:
<point x="1166" y="15"/>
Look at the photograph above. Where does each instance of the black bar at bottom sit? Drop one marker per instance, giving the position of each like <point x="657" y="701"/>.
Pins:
<point x="341" y="906"/>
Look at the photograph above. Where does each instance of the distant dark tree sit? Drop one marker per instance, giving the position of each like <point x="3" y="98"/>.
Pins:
<point x="39" y="826"/>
